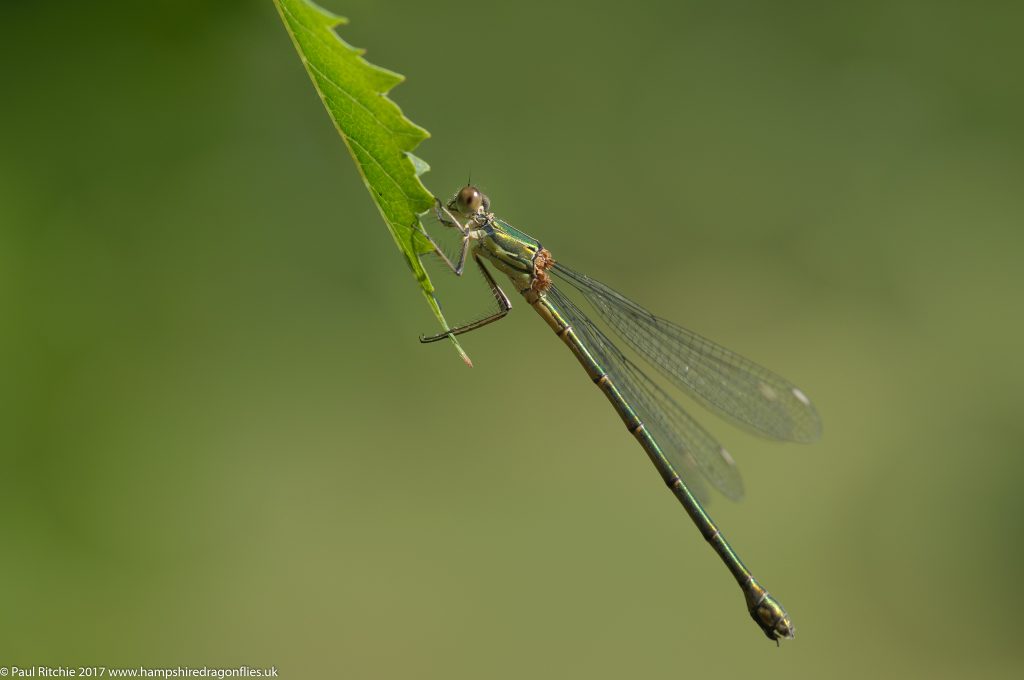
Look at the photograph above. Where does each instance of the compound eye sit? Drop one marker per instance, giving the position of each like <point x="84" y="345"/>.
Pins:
<point x="469" y="200"/>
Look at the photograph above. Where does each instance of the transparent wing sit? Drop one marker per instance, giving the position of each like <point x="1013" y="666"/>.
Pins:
<point x="688" y="446"/>
<point x="728" y="383"/>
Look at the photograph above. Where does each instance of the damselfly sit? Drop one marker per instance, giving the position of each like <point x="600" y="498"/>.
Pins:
<point x="721" y="379"/>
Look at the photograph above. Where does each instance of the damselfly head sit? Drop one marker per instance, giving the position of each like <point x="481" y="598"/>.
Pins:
<point x="469" y="201"/>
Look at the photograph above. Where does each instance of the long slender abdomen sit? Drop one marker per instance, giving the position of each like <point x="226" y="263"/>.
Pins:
<point x="763" y="608"/>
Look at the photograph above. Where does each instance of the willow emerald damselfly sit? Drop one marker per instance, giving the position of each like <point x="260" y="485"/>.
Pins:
<point x="681" y="450"/>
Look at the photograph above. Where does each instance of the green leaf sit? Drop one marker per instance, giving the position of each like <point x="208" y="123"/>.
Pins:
<point x="377" y="134"/>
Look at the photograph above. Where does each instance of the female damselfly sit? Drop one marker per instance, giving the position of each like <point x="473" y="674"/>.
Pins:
<point x="736" y="387"/>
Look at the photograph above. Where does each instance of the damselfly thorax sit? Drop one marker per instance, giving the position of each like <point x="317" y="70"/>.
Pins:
<point x="518" y="256"/>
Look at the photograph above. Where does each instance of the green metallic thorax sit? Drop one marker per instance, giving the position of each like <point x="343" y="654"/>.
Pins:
<point x="511" y="251"/>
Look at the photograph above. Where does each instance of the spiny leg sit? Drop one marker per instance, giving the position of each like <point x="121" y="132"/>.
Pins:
<point x="504" y="305"/>
<point x="446" y="218"/>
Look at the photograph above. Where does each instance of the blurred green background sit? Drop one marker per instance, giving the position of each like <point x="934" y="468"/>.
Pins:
<point x="223" y="444"/>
